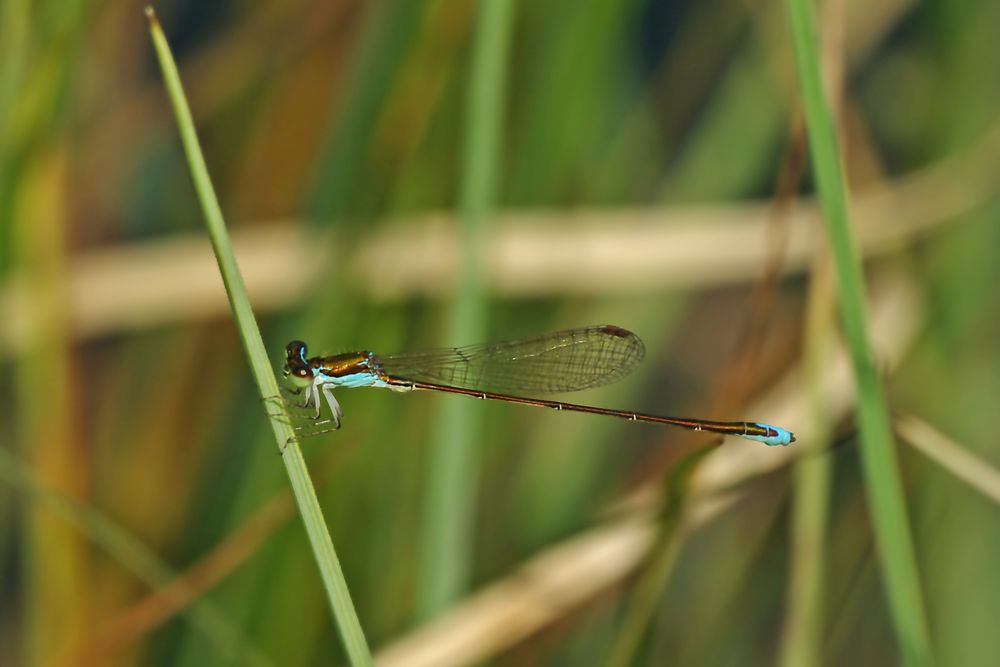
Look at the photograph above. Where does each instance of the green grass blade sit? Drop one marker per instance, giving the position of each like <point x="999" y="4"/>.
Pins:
<point x="389" y="33"/>
<point x="453" y="466"/>
<point x="812" y="477"/>
<point x="305" y="495"/>
<point x="14" y="39"/>
<point x="884" y="485"/>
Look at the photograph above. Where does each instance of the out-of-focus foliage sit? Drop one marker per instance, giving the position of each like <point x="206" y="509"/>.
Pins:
<point x="135" y="450"/>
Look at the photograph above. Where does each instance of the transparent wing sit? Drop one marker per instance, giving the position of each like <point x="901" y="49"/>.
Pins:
<point x="562" y="361"/>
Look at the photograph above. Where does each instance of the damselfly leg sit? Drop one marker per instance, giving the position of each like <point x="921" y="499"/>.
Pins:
<point x="302" y="418"/>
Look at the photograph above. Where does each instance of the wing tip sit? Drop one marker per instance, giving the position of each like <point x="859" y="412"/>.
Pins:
<point x="614" y="330"/>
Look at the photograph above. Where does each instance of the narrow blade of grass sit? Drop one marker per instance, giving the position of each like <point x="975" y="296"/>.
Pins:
<point x="389" y="32"/>
<point x="883" y="482"/>
<point x="345" y="616"/>
<point x="802" y="637"/>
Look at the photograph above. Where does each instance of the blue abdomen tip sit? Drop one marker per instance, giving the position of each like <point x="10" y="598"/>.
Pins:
<point x="775" y="436"/>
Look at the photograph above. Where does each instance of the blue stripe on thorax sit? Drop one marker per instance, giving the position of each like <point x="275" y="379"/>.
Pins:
<point x="363" y="379"/>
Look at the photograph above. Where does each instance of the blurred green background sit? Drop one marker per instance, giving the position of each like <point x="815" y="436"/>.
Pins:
<point x="390" y="188"/>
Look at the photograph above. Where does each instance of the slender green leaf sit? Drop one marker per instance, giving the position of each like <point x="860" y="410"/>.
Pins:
<point x="305" y="495"/>
<point x="882" y="476"/>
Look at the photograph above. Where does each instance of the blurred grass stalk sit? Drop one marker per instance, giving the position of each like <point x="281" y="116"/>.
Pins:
<point x="339" y="597"/>
<point x="14" y="34"/>
<point x="136" y="286"/>
<point x="446" y="547"/>
<point x="957" y="459"/>
<point x="883" y="481"/>
<point x="389" y="32"/>
<point x="56" y="589"/>
<point x="647" y="594"/>
<point x="801" y="639"/>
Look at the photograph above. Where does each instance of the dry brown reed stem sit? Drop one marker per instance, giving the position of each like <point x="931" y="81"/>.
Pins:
<point x="532" y="253"/>
<point x="976" y="472"/>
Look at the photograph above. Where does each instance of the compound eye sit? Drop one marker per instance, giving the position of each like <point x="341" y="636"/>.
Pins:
<point x="296" y="351"/>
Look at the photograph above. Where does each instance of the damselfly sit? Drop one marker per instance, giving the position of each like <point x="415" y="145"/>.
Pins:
<point x="563" y="361"/>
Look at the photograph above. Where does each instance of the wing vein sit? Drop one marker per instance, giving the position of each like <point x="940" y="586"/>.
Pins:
<point x="561" y="361"/>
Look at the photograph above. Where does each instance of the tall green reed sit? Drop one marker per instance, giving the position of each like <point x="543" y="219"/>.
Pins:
<point x="881" y="468"/>
<point x="335" y="585"/>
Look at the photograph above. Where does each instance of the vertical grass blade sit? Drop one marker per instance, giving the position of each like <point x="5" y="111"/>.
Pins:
<point x="55" y="585"/>
<point x="882" y="477"/>
<point x="447" y="528"/>
<point x="14" y="38"/>
<point x="812" y="477"/>
<point x="390" y="29"/>
<point x="345" y="616"/>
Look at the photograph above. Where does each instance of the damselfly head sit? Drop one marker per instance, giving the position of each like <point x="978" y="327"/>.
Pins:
<point x="296" y="363"/>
